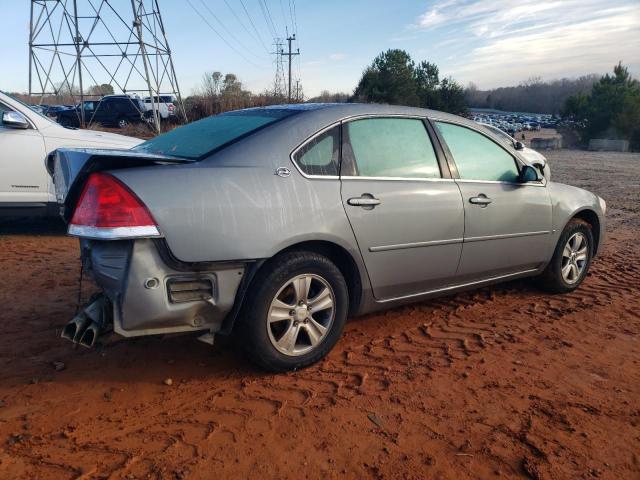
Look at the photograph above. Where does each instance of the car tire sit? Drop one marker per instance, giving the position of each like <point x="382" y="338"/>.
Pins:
<point x="122" y="123"/>
<point x="275" y="330"/>
<point x="571" y="259"/>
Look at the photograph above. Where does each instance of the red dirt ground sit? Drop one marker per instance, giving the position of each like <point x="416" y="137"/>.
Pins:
<point x="504" y="382"/>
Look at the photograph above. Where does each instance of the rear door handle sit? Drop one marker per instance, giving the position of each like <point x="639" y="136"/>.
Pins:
<point x="366" y="200"/>
<point x="481" y="200"/>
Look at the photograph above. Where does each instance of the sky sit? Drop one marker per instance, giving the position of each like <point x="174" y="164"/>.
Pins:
<point x="490" y="43"/>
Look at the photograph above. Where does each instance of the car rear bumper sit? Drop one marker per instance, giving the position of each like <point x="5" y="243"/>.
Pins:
<point x="151" y="293"/>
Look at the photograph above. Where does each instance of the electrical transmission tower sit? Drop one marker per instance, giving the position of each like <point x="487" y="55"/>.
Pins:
<point x="279" y="86"/>
<point x="78" y="46"/>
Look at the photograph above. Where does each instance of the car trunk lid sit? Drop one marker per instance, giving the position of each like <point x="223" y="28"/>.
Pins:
<point x="70" y="167"/>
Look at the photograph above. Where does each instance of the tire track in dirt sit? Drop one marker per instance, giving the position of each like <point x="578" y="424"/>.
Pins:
<point x="444" y="332"/>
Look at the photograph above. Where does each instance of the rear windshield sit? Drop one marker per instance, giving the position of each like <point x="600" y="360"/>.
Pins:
<point x="199" y="139"/>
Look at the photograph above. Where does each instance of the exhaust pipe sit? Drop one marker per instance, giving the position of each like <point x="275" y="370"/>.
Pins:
<point x="75" y="328"/>
<point x="90" y="335"/>
<point x="86" y="327"/>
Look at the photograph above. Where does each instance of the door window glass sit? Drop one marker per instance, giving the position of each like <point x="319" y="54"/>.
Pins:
<point x="390" y="147"/>
<point x="476" y="156"/>
<point x="321" y="156"/>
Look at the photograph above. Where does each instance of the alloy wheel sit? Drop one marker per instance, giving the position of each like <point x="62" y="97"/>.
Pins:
<point x="301" y="314"/>
<point x="574" y="257"/>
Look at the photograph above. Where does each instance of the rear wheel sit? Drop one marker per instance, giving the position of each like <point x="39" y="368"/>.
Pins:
<point x="571" y="259"/>
<point x="295" y="311"/>
<point x="123" y="123"/>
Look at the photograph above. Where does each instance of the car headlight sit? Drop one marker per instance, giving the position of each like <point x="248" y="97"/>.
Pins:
<point x="603" y="204"/>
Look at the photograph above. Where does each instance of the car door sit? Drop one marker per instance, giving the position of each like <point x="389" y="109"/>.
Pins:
<point x="104" y="113"/>
<point x="23" y="176"/>
<point x="507" y="223"/>
<point x="405" y="210"/>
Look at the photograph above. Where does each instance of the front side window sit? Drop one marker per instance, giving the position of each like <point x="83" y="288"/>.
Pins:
<point x="321" y="155"/>
<point x="476" y="156"/>
<point x="389" y="147"/>
<point x="199" y="139"/>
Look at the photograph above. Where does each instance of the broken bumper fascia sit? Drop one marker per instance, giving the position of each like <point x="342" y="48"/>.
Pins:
<point x="152" y="293"/>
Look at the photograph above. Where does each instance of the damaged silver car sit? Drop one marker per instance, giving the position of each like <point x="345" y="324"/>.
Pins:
<point x="277" y="223"/>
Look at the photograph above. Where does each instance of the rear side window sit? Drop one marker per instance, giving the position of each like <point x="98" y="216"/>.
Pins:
<point x="199" y="139"/>
<point x="476" y="156"/>
<point x="321" y="155"/>
<point x="389" y="147"/>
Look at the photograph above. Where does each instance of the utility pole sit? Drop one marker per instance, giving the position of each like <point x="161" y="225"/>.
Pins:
<point x="289" y="55"/>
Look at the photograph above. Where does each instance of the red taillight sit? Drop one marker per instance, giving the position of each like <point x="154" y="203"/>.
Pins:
<point x="108" y="209"/>
<point x="171" y="107"/>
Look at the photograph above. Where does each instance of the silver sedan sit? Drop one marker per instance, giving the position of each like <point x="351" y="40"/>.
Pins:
<point x="277" y="223"/>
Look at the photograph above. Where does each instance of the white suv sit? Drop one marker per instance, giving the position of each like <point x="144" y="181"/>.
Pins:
<point x="26" y="138"/>
<point x="164" y="103"/>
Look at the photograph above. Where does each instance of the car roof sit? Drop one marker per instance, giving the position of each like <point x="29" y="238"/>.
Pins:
<point x="328" y="113"/>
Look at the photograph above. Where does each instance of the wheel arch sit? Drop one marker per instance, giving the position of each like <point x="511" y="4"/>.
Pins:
<point x="591" y="217"/>
<point x="342" y="259"/>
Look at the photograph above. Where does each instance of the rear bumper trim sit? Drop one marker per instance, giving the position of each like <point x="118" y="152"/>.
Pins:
<point x="116" y="233"/>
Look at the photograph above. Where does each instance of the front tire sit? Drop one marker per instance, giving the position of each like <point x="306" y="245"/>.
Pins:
<point x="294" y="313"/>
<point x="571" y="259"/>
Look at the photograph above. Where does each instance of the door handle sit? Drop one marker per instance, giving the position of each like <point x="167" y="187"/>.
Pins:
<point x="481" y="200"/>
<point x="366" y="200"/>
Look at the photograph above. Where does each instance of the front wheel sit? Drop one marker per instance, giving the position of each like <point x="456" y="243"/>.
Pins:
<point x="571" y="259"/>
<point x="294" y="313"/>
<point x="123" y="123"/>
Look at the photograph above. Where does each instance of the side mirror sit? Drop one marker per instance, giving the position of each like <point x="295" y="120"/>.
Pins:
<point x="519" y="145"/>
<point x="529" y="174"/>
<point x="14" y="120"/>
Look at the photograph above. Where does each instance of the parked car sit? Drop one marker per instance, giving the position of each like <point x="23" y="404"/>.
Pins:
<point x="276" y="223"/>
<point x="111" y="110"/>
<point x="53" y="110"/>
<point x="531" y="156"/>
<point x="164" y="103"/>
<point x="26" y="138"/>
<point x="38" y="109"/>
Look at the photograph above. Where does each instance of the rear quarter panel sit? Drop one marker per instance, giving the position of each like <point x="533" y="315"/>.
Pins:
<point x="233" y="206"/>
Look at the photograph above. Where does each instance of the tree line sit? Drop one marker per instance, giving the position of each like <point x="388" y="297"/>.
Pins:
<point x="533" y="95"/>
<point x="610" y="110"/>
<point x="598" y="107"/>
<point x="394" y="78"/>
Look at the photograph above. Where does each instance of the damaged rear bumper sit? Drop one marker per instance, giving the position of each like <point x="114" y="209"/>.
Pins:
<point x="146" y="291"/>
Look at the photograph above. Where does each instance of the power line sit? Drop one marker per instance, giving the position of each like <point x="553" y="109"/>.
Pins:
<point x="253" y="24"/>
<point x="292" y="16"/>
<point x="284" y="17"/>
<point x="245" y="27"/>
<point x="221" y="37"/>
<point x="295" y="16"/>
<point x="267" y="18"/>
<point x="215" y="17"/>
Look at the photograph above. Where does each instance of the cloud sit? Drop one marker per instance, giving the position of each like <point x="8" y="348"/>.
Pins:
<point x="502" y="42"/>
<point x="337" y="56"/>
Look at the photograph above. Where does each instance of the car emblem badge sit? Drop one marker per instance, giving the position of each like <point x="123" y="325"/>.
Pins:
<point x="283" y="172"/>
